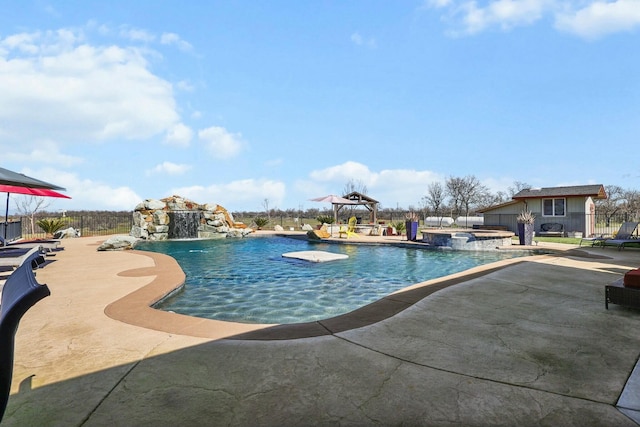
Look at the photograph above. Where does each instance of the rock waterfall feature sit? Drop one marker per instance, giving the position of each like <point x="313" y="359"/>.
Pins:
<point x="178" y="218"/>
<point x="183" y="225"/>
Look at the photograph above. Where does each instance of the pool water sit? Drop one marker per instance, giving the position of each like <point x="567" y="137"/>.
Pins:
<point x="248" y="280"/>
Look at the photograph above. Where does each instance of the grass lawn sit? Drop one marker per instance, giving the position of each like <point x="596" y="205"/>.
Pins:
<point x="566" y="240"/>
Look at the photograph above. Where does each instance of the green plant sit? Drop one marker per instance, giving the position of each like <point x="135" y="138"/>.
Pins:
<point x="51" y="225"/>
<point x="325" y="219"/>
<point x="260" y="222"/>
<point x="526" y="217"/>
<point x="400" y="226"/>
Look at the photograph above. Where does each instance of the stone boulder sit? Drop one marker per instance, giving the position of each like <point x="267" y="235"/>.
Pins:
<point x="66" y="233"/>
<point x="118" y="243"/>
<point x="239" y="232"/>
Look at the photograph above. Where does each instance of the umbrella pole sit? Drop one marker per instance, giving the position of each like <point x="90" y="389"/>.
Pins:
<point x="6" y="218"/>
<point x="335" y="218"/>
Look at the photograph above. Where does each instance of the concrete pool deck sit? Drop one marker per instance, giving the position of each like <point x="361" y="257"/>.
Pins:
<point x="525" y="343"/>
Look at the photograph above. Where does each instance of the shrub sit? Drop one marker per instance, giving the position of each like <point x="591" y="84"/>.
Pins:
<point x="51" y="225"/>
<point x="325" y="219"/>
<point x="400" y="226"/>
<point x="260" y="222"/>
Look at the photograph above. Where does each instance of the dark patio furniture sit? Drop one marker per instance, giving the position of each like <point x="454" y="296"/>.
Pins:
<point x="624" y="236"/>
<point x="20" y="292"/>
<point x="550" y="229"/>
<point x="616" y="293"/>
<point x="14" y="257"/>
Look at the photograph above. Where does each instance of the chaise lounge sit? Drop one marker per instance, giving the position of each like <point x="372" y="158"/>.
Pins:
<point x="20" y="292"/>
<point x="624" y="236"/>
<point x="16" y="257"/>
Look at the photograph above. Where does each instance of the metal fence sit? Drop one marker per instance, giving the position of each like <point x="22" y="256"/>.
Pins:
<point x="11" y="230"/>
<point x="608" y="225"/>
<point x="107" y="223"/>
<point x="89" y="224"/>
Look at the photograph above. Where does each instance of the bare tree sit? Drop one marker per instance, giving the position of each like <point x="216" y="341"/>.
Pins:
<point x="29" y="206"/>
<point x="491" y="199"/>
<point x="354" y="185"/>
<point x="613" y="204"/>
<point x="632" y="208"/>
<point x="434" y="200"/>
<point x="465" y="192"/>
<point x="517" y="187"/>
<point x="265" y="205"/>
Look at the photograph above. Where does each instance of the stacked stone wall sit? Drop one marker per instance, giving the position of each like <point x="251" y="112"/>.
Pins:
<point x="151" y="219"/>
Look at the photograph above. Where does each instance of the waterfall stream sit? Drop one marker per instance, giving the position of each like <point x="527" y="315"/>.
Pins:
<point x="184" y="224"/>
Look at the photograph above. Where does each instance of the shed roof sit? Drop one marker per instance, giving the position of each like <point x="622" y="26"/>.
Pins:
<point x="501" y="205"/>
<point x="596" y="191"/>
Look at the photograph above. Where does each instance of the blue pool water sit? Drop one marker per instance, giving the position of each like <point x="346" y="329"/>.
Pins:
<point x="248" y="280"/>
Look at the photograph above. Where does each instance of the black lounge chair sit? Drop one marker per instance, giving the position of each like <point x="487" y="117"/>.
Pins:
<point x="47" y="245"/>
<point x="15" y="257"/>
<point x="624" y="236"/>
<point x="20" y="292"/>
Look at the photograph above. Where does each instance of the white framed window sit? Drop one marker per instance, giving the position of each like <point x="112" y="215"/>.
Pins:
<point x="554" y="207"/>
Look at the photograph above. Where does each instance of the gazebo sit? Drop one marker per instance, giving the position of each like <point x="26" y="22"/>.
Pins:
<point x="360" y="199"/>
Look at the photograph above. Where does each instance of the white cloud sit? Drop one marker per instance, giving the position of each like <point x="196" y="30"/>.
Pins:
<point x="344" y="172"/>
<point x="505" y="14"/>
<point x="185" y="86"/>
<point x="137" y="34"/>
<point x="404" y="187"/>
<point x="220" y="143"/>
<point x="601" y="18"/>
<point x="52" y="86"/>
<point x="179" y="135"/>
<point x="175" y="40"/>
<point x="359" y="40"/>
<point x="587" y="19"/>
<point x="46" y="152"/>
<point x="246" y="194"/>
<point x="86" y="193"/>
<point x="437" y="3"/>
<point x="169" y="168"/>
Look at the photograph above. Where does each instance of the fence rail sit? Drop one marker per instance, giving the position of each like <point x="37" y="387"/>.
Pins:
<point x="107" y="223"/>
<point x="92" y="224"/>
<point x="11" y="230"/>
<point x="608" y="225"/>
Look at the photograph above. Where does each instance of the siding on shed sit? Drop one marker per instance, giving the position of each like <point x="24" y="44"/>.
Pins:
<point x="576" y="216"/>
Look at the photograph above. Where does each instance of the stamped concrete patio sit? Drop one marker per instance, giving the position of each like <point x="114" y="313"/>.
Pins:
<point x="527" y="342"/>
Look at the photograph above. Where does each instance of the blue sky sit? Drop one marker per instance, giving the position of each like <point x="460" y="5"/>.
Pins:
<point x="235" y="102"/>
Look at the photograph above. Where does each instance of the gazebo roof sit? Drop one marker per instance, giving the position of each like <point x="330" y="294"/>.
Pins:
<point x="362" y="199"/>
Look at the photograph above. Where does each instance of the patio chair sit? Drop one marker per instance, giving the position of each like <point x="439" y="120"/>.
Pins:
<point x="47" y="245"/>
<point x="20" y="292"/>
<point x="15" y="257"/>
<point x="624" y="236"/>
<point x="350" y="229"/>
<point x="320" y="234"/>
<point x="595" y="240"/>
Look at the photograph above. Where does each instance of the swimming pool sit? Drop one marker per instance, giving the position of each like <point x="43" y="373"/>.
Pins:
<point x="248" y="280"/>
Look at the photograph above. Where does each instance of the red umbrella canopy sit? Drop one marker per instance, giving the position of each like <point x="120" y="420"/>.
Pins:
<point x="41" y="192"/>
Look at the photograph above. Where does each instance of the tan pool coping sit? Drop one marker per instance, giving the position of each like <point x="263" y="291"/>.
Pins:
<point x="136" y="307"/>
